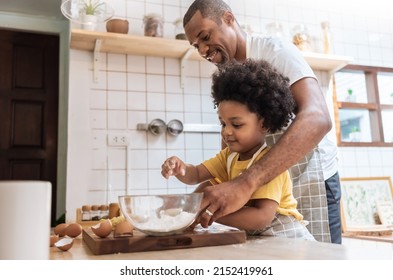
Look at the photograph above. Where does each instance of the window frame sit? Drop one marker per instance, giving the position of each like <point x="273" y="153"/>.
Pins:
<point x="373" y="106"/>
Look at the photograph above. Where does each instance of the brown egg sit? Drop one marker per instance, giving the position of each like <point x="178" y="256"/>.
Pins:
<point x="64" y="244"/>
<point x="60" y="229"/>
<point x="123" y="229"/>
<point x="73" y="230"/>
<point x="53" y="240"/>
<point x="102" y="229"/>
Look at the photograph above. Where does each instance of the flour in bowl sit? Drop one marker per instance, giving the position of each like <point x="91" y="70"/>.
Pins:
<point x="166" y="222"/>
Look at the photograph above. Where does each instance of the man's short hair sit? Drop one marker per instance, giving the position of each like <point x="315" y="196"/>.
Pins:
<point x="212" y="9"/>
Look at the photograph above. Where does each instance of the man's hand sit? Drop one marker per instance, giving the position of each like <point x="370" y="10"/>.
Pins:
<point x="223" y="199"/>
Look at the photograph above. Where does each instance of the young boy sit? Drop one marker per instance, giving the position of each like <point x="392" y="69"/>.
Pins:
<point x="252" y="99"/>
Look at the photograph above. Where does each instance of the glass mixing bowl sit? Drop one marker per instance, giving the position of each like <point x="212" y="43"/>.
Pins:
<point x="160" y="215"/>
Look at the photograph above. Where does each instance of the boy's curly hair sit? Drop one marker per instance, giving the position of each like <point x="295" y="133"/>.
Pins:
<point x="260" y="87"/>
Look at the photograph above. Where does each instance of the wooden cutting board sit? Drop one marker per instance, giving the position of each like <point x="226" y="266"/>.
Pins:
<point x="141" y="242"/>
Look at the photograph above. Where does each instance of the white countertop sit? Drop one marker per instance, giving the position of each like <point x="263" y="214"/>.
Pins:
<point x="262" y="248"/>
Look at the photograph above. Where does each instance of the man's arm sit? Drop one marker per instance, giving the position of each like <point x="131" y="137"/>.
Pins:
<point x="311" y="123"/>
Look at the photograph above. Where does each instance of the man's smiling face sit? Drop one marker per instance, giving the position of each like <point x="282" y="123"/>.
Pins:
<point x="216" y="43"/>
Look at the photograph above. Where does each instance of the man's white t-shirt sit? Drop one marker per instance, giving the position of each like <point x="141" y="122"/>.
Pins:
<point x="289" y="61"/>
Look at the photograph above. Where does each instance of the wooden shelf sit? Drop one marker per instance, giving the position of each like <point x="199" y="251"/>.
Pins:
<point x="152" y="46"/>
<point x="326" y="62"/>
<point x="131" y="44"/>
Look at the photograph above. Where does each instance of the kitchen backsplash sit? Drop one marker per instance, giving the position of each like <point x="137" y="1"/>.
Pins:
<point x="134" y="90"/>
<point x="137" y="89"/>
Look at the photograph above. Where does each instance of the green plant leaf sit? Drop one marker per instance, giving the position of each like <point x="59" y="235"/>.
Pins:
<point x="92" y="7"/>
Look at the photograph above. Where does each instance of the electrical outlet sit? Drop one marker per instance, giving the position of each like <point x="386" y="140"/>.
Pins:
<point x="119" y="140"/>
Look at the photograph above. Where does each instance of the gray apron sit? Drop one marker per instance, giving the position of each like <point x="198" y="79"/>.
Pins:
<point x="309" y="191"/>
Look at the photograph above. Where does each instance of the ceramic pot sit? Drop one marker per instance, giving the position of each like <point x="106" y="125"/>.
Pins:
<point x="117" y="26"/>
<point x="89" y="22"/>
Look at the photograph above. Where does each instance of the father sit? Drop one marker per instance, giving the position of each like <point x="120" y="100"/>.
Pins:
<point x="303" y="148"/>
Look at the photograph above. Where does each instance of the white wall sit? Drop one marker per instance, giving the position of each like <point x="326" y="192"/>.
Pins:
<point x="135" y="89"/>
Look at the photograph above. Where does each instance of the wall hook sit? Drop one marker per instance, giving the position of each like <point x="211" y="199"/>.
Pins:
<point x="156" y="126"/>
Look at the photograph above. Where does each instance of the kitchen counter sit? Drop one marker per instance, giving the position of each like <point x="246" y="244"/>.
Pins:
<point x="268" y="248"/>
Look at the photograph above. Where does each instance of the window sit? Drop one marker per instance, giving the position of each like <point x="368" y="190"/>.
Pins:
<point x="364" y="106"/>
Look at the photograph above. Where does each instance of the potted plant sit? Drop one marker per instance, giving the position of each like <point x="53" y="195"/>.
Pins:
<point x="92" y="7"/>
<point x="350" y="96"/>
<point x="89" y="11"/>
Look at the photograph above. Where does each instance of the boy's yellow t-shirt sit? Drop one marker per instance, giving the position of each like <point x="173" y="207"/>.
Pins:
<point x="279" y="189"/>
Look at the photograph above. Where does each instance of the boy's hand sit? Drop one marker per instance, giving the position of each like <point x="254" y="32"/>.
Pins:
<point x="173" y="166"/>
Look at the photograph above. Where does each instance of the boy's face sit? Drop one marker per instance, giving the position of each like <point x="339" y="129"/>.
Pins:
<point x="216" y="43"/>
<point x="241" y="130"/>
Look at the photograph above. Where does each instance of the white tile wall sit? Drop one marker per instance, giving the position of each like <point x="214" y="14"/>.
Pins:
<point x="136" y="89"/>
<point x="366" y="162"/>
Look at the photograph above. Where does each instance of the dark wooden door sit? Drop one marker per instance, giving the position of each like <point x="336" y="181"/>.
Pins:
<point x="29" y="93"/>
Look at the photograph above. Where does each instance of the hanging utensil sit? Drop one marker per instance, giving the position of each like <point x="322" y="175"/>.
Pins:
<point x="156" y="126"/>
<point x="175" y="127"/>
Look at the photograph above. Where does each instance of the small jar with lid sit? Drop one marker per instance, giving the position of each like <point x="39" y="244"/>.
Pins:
<point x="95" y="212"/>
<point x="114" y="210"/>
<point x="86" y="215"/>
<point x="104" y="211"/>
<point x="301" y="38"/>
<point x="153" y="25"/>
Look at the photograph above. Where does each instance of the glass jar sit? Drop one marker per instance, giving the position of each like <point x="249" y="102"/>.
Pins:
<point x="301" y="38"/>
<point x="86" y="213"/>
<point x="95" y="212"/>
<point x="179" y="31"/>
<point x="274" y="29"/>
<point x="114" y="210"/>
<point x="104" y="212"/>
<point x="153" y="25"/>
<point x="326" y="37"/>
